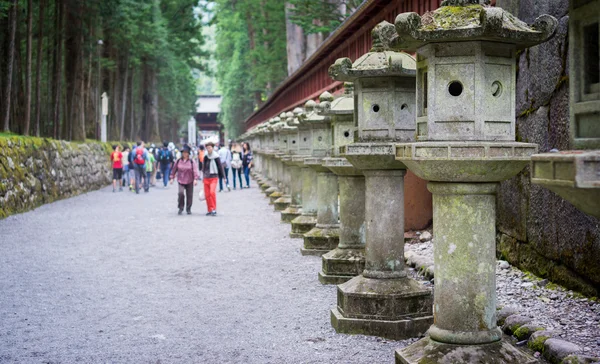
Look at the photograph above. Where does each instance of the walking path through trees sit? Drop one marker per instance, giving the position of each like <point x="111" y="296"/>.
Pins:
<point x="121" y="278"/>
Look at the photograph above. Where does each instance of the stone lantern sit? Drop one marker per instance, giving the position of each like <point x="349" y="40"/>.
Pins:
<point x="465" y="117"/>
<point x="281" y="198"/>
<point x="383" y="300"/>
<point x="270" y="150"/>
<point x="348" y="259"/>
<point x="307" y="220"/>
<point x="575" y="175"/>
<point x="294" y="164"/>
<point x="324" y="236"/>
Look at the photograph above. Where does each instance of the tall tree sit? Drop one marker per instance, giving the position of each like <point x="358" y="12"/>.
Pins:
<point x="38" y="63"/>
<point x="10" y="55"/>
<point x="28" y="77"/>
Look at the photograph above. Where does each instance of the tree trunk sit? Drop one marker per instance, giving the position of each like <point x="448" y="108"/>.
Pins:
<point x="38" y="63"/>
<point x="58" y="64"/>
<point x="131" y="107"/>
<point x="9" y="66"/>
<point x="150" y="131"/>
<point x="124" y="99"/>
<point x="74" y="124"/>
<point x="252" y="41"/>
<point x="296" y="42"/>
<point x="27" y="120"/>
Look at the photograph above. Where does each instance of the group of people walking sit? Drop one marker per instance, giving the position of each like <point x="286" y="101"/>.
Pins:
<point x="139" y="168"/>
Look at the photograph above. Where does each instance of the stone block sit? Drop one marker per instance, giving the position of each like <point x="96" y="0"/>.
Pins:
<point x="341" y="265"/>
<point x="302" y="225"/>
<point x="525" y="331"/>
<point x="282" y="203"/>
<point x="504" y="312"/>
<point x="555" y="350"/>
<point x="321" y="240"/>
<point x="290" y="213"/>
<point x="537" y="339"/>
<point x="580" y="359"/>
<point x="513" y="322"/>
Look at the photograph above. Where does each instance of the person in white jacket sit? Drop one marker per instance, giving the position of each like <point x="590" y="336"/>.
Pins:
<point x="225" y="158"/>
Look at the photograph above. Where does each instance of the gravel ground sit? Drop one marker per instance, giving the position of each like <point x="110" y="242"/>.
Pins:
<point x="575" y="318"/>
<point x="121" y="278"/>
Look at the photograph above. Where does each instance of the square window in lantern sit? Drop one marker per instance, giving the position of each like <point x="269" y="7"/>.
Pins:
<point x="497" y="90"/>
<point x="404" y="110"/>
<point x="454" y="91"/>
<point x="374" y="112"/>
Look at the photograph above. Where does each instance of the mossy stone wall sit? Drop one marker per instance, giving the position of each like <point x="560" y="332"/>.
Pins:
<point x="537" y="230"/>
<point x="35" y="171"/>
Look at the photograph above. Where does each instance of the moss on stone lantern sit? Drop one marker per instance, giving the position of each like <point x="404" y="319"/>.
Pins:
<point x="466" y="132"/>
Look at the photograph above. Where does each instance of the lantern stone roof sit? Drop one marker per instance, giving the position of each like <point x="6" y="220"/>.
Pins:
<point x="470" y="20"/>
<point x="381" y="61"/>
<point x="344" y="104"/>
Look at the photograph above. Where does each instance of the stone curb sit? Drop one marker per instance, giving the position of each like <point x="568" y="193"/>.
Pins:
<point x="556" y="351"/>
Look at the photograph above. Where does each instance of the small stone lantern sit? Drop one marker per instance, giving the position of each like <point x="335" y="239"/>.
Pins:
<point x="307" y="220"/>
<point x="383" y="300"/>
<point x="294" y="164"/>
<point x="324" y="236"/>
<point x="465" y="116"/>
<point x="348" y="259"/>
<point x="575" y="175"/>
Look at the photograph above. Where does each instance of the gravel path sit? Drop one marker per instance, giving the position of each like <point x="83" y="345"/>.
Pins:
<point x="576" y="319"/>
<point x="121" y="278"/>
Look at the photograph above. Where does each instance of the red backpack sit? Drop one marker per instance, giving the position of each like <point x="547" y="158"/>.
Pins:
<point x="139" y="156"/>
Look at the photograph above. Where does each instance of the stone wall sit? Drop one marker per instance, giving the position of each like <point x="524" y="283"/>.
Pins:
<point x="35" y="171"/>
<point x="537" y="230"/>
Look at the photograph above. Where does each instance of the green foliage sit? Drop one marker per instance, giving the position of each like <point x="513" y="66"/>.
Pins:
<point x="251" y="56"/>
<point x="317" y="16"/>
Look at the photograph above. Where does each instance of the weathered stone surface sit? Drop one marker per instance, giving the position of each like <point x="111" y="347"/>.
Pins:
<point x="555" y="350"/>
<point x="580" y="359"/>
<point x="513" y="322"/>
<point x="525" y="331"/>
<point x="504" y="312"/>
<point x="341" y="265"/>
<point x="537" y="339"/>
<point x="392" y="308"/>
<point x="35" y="171"/>
<point x="430" y="351"/>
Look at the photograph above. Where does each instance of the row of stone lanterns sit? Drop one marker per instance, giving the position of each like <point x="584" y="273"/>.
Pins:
<point x="449" y="117"/>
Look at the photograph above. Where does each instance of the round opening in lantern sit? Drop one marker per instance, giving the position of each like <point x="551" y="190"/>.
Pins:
<point x="375" y="108"/>
<point x="403" y="107"/>
<point x="346" y="134"/>
<point x="455" y="88"/>
<point x="496" y="89"/>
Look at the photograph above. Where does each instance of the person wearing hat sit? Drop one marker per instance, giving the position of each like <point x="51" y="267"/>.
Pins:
<point x="187" y="177"/>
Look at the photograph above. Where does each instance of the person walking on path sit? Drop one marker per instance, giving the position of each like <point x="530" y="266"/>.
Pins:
<point x="165" y="159"/>
<point x="140" y="155"/>
<point x="117" y="163"/>
<point x="125" y="161"/>
<point x="201" y="152"/>
<point x="236" y="164"/>
<point x="225" y="157"/>
<point x="150" y="169"/>
<point x="247" y="162"/>
<point x="187" y="177"/>
<point x="154" y="151"/>
<point x="212" y="170"/>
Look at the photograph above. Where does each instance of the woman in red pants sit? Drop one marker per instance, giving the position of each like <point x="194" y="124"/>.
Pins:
<point x="212" y="171"/>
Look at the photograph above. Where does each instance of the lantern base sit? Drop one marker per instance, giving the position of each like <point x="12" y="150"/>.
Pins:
<point x="341" y="265"/>
<point x="290" y="213"/>
<point x="430" y="351"/>
<point x="321" y="240"/>
<point x="282" y="203"/>
<point x="302" y="224"/>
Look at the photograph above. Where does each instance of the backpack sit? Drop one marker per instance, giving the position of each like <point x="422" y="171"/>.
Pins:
<point x="139" y="156"/>
<point x="164" y="155"/>
<point x="236" y="161"/>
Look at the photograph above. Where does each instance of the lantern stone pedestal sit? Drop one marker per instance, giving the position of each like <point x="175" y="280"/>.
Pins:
<point x="347" y="260"/>
<point x="324" y="236"/>
<point x="382" y="301"/>
<point x="283" y="201"/>
<point x="294" y="209"/>
<point x="307" y="220"/>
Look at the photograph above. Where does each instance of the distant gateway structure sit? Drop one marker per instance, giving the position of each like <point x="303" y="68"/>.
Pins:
<point x="208" y="108"/>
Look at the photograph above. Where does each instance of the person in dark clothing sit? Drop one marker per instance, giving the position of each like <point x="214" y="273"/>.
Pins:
<point x="165" y="160"/>
<point x="247" y="162"/>
<point x="212" y="170"/>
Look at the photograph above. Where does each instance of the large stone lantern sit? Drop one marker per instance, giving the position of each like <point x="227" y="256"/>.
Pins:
<point x="270" y="150"/>
<point x="383" y="300"/>
<point x="575" y="175"/>
<point x="307" y="220"/>
<point x="325" y="235"/>
<point x="465" y="117"/>
<point x="347" y="260"/>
